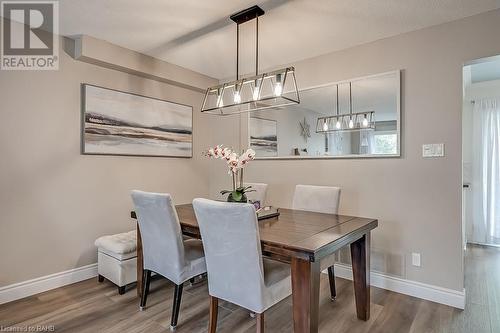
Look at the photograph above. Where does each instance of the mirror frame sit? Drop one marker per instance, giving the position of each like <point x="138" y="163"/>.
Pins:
<point x="350" y="156"/>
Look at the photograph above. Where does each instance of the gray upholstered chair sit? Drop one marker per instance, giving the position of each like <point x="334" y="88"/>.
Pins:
<point x="165" y="251"/>
<point x="237" y="273"/>
<point x="320" y="199"/>
<point x="259" y="193"/>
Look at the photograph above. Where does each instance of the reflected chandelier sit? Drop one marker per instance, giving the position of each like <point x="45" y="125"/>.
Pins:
<point x="346" y="122"/>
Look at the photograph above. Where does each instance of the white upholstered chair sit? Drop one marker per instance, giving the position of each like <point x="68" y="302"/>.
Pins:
<point x="237" y="273"/>
<point x="320" y="199"/>
<point x="259" y="193"/>
<point x="165" y="252"/>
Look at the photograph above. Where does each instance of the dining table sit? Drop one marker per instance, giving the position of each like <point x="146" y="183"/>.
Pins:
<point x="308" y="241"/>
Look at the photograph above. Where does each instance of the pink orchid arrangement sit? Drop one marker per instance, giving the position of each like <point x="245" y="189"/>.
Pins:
<point x="235" y="164"/>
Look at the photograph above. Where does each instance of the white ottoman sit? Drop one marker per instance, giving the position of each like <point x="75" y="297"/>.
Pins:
<point x="117" y="259"/>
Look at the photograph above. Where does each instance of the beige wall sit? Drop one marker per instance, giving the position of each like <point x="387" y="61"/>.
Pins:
<point x="55" y="202"/>
<point x="417" y="201"/>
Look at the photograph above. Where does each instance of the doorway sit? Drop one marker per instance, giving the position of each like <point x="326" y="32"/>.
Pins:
<point x="481" y="152"/>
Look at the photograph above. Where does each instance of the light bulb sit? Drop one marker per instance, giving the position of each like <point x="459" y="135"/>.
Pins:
<point x="256" y="93"/>
<point x="237" y="97"/>
<point x="325" y="126"/>
<point x="219" y="98"/>
<point x="278" y="89"/>
<point x="351" y="123"/>
<point x="365" y="122"/>
<point x="338" y="125"/>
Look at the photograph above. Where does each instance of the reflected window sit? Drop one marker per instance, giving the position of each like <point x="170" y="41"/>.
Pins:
<point x="385" y="143"/>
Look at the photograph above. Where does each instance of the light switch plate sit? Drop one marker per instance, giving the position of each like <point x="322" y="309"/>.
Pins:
<point x="433" y="150"/>
<point x="415" y="259"/>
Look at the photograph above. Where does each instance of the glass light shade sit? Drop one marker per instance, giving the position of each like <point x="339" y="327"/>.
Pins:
<point x="278" y="89"/>
<point x="237" y="97"/>
<point x="256" y="91"/>
<point x="365" y="122"/>
<point x="264" y="91"/>
<point x="341" y="122"/>
<point x="325" y="126"/>
<point x="338" y="124"/>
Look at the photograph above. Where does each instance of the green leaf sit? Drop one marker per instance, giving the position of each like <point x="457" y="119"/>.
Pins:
<point x="237" y="196"/>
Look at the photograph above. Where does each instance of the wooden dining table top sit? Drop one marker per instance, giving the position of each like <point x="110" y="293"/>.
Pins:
<point x="295" y="233"/>
<point x="308" y="241"/>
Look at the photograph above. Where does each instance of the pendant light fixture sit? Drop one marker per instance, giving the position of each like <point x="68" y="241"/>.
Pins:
<point x="261" y="91"/>
<point x="346" y="122"/>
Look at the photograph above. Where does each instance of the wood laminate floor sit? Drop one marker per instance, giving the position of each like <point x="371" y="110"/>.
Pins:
<point x="90" y="306"/>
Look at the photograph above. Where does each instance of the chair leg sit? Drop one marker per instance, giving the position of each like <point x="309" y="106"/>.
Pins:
<point x="100" y="278"/>
<point x="260" y="322"/>
<point x="331" y="278"/>
<point x="177" y="306"/>
<point x="121" y="290"/>
<point x="146" y="279"/>
<point x="214" y="311"/>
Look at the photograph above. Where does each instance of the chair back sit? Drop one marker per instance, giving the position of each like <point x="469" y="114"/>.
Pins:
<point x="161" y="235"/>
<point x="259" y="194"/>
<point x="320" y="199"/>
<point x="231" y="243"/>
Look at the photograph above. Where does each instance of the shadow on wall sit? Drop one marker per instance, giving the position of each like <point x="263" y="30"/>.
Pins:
<point x="209" y="28"/>
<point x="383" y="259"/>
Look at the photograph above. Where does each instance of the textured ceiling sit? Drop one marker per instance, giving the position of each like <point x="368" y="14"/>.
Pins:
<point x="198" y="34"/>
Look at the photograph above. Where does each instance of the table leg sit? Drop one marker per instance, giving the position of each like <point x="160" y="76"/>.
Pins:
<point x="139" y="262"/>
<point x="360" y="257"/>
<point x="305" y="295"/>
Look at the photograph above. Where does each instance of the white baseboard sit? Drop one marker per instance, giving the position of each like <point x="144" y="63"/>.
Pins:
<point x="31" y="287"/>
<point x="428" y="292"/>
<point x="417" y="289"/>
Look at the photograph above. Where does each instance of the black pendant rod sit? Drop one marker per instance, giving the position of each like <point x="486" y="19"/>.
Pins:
<point x="237" y="50"/>
<point x="241" y="17"/>
<point x="337" y="100"/>
<point x="257" y="45"/>
<point x="350" y="100"/>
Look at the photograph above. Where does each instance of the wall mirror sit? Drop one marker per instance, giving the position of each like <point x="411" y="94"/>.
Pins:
<point x="366" y="124"/>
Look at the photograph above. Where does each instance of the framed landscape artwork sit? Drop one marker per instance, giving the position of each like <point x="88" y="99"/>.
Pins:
<point x="263" y="136"/>
<point x="119" y="123"/>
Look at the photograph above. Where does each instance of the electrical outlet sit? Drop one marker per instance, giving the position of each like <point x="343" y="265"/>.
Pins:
<point x="415" y="259"/>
